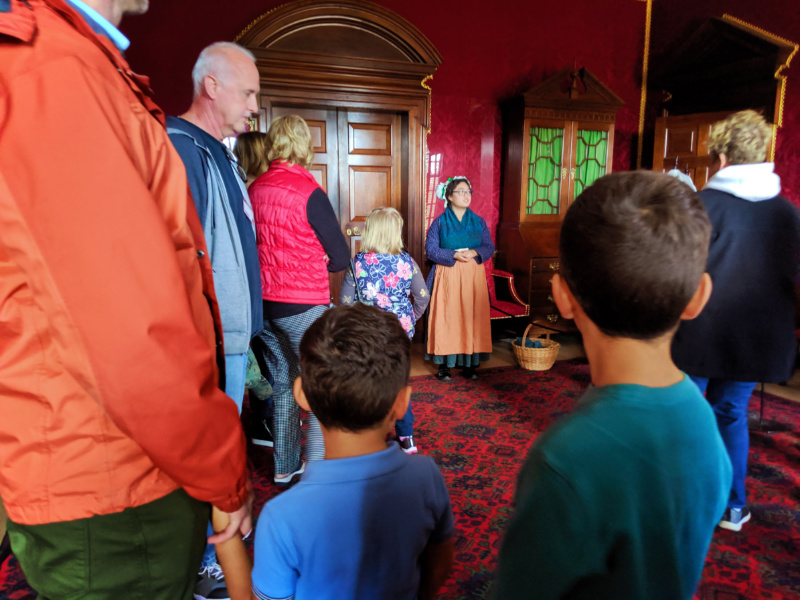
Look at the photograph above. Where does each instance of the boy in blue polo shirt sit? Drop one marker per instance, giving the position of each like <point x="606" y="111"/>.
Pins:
<point x="619" y="499"/>
<point x="369" y="521"/>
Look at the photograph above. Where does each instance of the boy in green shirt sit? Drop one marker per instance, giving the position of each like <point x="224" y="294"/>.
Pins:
<point x="620" y="498"/>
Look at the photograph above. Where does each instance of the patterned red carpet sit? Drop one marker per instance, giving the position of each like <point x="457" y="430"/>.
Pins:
<point x="479" y="432"/>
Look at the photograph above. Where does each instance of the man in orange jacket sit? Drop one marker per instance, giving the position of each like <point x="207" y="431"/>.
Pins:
<point x="109" y="350"/>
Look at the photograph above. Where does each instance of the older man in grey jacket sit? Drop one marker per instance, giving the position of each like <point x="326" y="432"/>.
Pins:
<point x="226" y="86"/>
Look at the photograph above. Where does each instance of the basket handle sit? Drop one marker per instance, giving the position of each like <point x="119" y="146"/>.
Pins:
<point x="524" y="335"/>
<point x="527" y="329"/>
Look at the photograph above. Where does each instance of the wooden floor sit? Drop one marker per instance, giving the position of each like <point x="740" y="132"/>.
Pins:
<point x="502" y="354"/>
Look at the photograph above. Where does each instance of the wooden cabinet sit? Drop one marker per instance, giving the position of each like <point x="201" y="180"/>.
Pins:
<point x="558" y="139"/>
<point x="560" y="159"/>
<point x="543" y="305"/>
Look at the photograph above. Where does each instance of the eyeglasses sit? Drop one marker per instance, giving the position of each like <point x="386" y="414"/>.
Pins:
<point x="463" y="192"/>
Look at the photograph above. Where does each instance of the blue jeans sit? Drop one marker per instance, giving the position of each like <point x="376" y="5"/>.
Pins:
<point x="405" y="426"/>
<point x="235" y="373"/>
<point x="729" y="400"/>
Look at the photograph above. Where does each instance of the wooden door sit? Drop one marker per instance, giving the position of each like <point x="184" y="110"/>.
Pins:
<point x="370" y="161"/>
<point x="322" y="124"/>
<point x="681" y="143"/>
<point x="358" y="161"/>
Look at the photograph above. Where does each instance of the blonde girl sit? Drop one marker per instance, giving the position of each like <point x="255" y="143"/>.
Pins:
<point x="384" y="275"/>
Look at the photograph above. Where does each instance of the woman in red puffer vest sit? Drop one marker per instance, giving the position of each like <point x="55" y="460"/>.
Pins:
<point x="299" y="242"/>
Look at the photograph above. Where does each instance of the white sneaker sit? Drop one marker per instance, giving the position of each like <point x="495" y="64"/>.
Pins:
<point x="211" y="584"/>
<point x="734" y="518"/>
<point x="407" y="444"/>
<point x="287" y="479"/>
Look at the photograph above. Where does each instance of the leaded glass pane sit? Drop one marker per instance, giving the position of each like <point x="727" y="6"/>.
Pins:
<point x="544" y="170"/>
<point x="590" y="158"/>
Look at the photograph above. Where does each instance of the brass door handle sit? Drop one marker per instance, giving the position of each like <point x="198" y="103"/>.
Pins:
<point x="356" y="231"/>
<point x="349" y="231"/>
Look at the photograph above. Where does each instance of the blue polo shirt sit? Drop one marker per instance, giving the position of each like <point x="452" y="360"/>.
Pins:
<point x="352" y="528"/>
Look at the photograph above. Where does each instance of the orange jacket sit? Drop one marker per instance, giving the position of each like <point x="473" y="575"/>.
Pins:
<point x="108" y="380"/>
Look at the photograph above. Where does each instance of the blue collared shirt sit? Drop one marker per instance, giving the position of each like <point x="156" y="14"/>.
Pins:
<point x="361" y="522"/>
<point x="100" y="24"/>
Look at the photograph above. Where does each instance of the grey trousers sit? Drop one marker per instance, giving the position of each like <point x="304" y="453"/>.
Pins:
<point x="281" y="340"/>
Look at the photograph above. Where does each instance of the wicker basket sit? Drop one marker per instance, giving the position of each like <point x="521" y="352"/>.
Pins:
<point x="536" y="359"/>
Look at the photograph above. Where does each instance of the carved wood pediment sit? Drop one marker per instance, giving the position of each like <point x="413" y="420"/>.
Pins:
<point x="553" y="93"/>
<point x="340" y="41"/>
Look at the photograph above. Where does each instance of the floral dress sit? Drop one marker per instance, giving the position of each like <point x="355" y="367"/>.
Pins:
<point x="386" y="281"/>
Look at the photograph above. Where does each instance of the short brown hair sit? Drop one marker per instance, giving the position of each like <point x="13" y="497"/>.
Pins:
<point x="251" y="152"/>
<point x="743" y="138"/>
<point x="290" y="139"/>
<point x="633" y="250"/>
<point x="354" y="360"/>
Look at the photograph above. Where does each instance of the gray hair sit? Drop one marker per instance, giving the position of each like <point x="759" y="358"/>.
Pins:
<point x="213" y="62"/>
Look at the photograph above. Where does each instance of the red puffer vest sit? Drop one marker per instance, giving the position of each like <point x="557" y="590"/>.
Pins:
<point x="293" y="266"/>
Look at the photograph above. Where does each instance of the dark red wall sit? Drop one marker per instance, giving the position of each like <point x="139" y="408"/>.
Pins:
<point x="488" y="55"/>
<point x="490" y="51"/>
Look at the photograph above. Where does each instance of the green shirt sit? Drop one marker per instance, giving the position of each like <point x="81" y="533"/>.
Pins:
<point x="618" y="499"/>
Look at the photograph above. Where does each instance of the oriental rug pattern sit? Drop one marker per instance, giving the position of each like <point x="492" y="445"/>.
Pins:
<point x="479" y="433"/>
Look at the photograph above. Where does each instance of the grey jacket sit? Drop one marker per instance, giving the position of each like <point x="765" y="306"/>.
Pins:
<point x="227" y="260"/>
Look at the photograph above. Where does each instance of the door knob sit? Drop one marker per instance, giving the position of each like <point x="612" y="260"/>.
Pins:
<point x="349" y="232"/>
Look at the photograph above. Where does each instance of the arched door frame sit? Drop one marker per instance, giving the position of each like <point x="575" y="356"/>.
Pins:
<point x="351" y="54"/>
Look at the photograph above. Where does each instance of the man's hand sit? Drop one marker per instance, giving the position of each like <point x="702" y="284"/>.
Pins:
<point x="239" y="520"/>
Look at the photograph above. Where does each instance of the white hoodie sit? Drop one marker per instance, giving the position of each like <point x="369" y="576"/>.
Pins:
<point x="753" y="182"/>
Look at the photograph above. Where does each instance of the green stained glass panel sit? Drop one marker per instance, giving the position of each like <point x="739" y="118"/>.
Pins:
<point x="590" y="158"/>
<point x="544" y="170"/>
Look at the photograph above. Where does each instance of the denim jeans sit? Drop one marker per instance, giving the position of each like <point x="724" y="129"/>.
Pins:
<point x="729" y="400"/>
<point x="405" y="426"/>
<point x="235" y="372"/>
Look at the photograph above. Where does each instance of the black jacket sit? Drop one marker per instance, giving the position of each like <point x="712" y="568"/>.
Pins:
<point x="747" y="330"/>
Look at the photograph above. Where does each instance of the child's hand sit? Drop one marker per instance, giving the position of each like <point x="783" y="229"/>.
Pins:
<point x="238" y="521"/>
<point x="231" y="553"/>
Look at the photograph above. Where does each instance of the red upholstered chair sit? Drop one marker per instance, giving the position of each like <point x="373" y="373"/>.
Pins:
<point x="504" y="302"/>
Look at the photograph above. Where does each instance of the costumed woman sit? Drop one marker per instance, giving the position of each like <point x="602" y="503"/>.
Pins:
<point x="459" y="330"/>
<point x="299" y="242"/>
